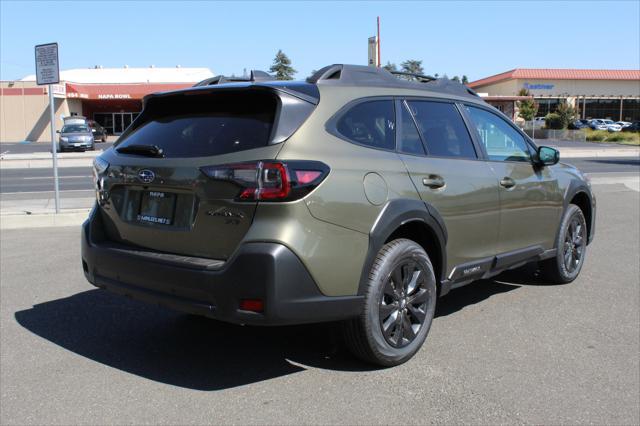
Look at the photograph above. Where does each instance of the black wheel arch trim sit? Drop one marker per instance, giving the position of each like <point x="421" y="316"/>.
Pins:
<point x="400" y="212"/>
<point x="576" y="187"/>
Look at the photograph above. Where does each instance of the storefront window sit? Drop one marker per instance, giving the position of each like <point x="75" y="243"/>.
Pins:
<point x="631" y="110"/>
<point x="547" y="105"/>
<point x="602" y="108"/>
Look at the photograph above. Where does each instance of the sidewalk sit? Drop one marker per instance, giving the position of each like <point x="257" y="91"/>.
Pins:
<point x="611" y="152"/>
<point x="21" y="211"/>
<point x="45" y="160"/>
<point x="85" y="159"/>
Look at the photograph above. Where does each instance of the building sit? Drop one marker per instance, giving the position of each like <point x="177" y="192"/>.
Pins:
<point x="110" y="96"/>
<point x="612" y="94"/>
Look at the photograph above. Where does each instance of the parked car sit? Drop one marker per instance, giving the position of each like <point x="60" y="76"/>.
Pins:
<point x="99" y="132"/>
<point x="612" y="126"/>
<point x="623" y="124"/>
<point x="633" y="127"/>
<point x="577" y="124"/>
<point x="598" y="124"/>
<point x="75" y="137"/>
<point x="353" y="196"/>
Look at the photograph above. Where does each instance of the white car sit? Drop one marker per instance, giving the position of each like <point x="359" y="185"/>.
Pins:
<point x="597" y="124"/>
<point x="623" y="124"/>
<point x="612" y="126"/>
<point x="604" y="124"/>
<point x="539" y="122"/>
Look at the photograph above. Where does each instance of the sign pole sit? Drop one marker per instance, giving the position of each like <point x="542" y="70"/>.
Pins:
<point x="54" y="148"/>
<point x="48" y="74"/>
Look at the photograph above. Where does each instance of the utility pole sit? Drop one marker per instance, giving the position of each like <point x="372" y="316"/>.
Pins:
<point x="379" y="60"/>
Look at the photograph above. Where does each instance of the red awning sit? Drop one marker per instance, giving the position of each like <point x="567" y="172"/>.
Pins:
<point x="119" y="91"/>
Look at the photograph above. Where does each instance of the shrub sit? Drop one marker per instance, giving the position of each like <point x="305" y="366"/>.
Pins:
<point x="554" y="121"/>
<point x="617" y="137"/>
<point x="597" y="136"/>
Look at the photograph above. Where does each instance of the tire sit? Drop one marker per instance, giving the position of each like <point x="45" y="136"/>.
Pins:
<point x="572" y="248"/>
<point x="375" y="336"/>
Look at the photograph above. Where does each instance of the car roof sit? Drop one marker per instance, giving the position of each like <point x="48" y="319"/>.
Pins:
<point x="360" y="80"/>
<point x="372" y="77"/>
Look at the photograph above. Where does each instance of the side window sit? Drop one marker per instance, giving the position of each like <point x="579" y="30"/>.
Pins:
<point x="443" y="130"/>
<point x="501" y="141"/>
<point x="370" y="123"/>
<point x="408" y="137"/>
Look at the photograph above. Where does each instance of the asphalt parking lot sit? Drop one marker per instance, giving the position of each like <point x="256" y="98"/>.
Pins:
<point x="509" y="350"/>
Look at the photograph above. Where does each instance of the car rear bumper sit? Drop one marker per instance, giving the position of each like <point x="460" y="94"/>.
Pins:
<point x="269" y="272"/>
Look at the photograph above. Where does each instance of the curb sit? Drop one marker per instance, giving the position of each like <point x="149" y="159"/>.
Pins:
<point x="598" y="153"/>
<point x="20" y="220"/>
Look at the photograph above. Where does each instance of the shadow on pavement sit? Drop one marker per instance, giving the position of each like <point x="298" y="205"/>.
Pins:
<point x="181" y="350"/>
<point x="199" y="353"/>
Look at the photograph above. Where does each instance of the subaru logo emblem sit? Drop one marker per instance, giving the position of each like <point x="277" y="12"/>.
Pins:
<point x="146" y="176"/>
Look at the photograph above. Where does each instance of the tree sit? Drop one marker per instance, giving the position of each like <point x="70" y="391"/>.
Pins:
<point x="527" y="109"/>
<point x="282" y="67"/>
<point x="390" y="67"/>
<point x="456" y="78"/>
<point x="465" y="80"/>
<point x="567" y="114"/>
<point x="412" y="66"/>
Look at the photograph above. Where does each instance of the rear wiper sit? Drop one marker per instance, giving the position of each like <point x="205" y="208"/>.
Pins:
<point x="147" y="150"/>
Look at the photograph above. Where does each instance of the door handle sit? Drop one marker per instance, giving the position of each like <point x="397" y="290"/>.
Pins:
<point x="507" y="182"/>
<point x="433" y="181"/>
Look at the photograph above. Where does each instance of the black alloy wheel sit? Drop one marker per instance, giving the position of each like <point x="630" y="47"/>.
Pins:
<point x="403" y="304"/>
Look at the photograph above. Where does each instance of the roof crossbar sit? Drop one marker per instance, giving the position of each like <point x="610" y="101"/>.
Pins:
<point x="254" y="76"/>
<point x="419" y="77"/>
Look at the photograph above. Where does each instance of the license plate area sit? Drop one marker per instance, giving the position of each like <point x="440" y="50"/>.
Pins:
<point x="157" y="207"/>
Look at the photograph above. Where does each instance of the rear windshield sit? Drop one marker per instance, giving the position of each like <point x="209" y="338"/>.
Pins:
<point x="200" y="125"/>
<point x="75" y="128"/>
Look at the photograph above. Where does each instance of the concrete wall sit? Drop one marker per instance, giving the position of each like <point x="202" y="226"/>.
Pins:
<point x="564" y="88"/>
<point x="24" y="112"/>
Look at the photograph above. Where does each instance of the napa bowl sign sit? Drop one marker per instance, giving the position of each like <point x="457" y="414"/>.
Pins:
<point x="538" y="86"/>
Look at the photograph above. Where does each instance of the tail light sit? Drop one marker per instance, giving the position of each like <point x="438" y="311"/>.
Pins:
<point x="270" y="180"/>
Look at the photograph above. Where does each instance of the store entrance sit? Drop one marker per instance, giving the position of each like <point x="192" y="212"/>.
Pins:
<point x="115" y="122"/>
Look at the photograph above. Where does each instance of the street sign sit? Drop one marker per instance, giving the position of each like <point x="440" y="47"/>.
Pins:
<point x="47" y="71"/>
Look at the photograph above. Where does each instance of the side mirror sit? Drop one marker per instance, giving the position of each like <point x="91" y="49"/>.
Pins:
<point x="548" y="156"/>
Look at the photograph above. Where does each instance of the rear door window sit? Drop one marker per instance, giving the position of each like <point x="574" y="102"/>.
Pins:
<point x="370" y="123"/>
<point x="443" y="130"/>
<point x="199" y="125"/>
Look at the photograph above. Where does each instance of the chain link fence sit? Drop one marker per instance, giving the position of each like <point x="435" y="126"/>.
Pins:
<point x="565" y="135"/>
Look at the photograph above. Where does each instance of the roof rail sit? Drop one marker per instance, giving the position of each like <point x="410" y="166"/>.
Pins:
<point x="363" y="75"/>
<point x="254" y="76"/>
<point x="419" y="77"/>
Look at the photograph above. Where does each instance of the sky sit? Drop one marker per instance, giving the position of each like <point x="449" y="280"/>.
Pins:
<point x="476" y="38"/>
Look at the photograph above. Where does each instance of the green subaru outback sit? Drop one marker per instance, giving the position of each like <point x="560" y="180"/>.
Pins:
<point x="355" y="196"/>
